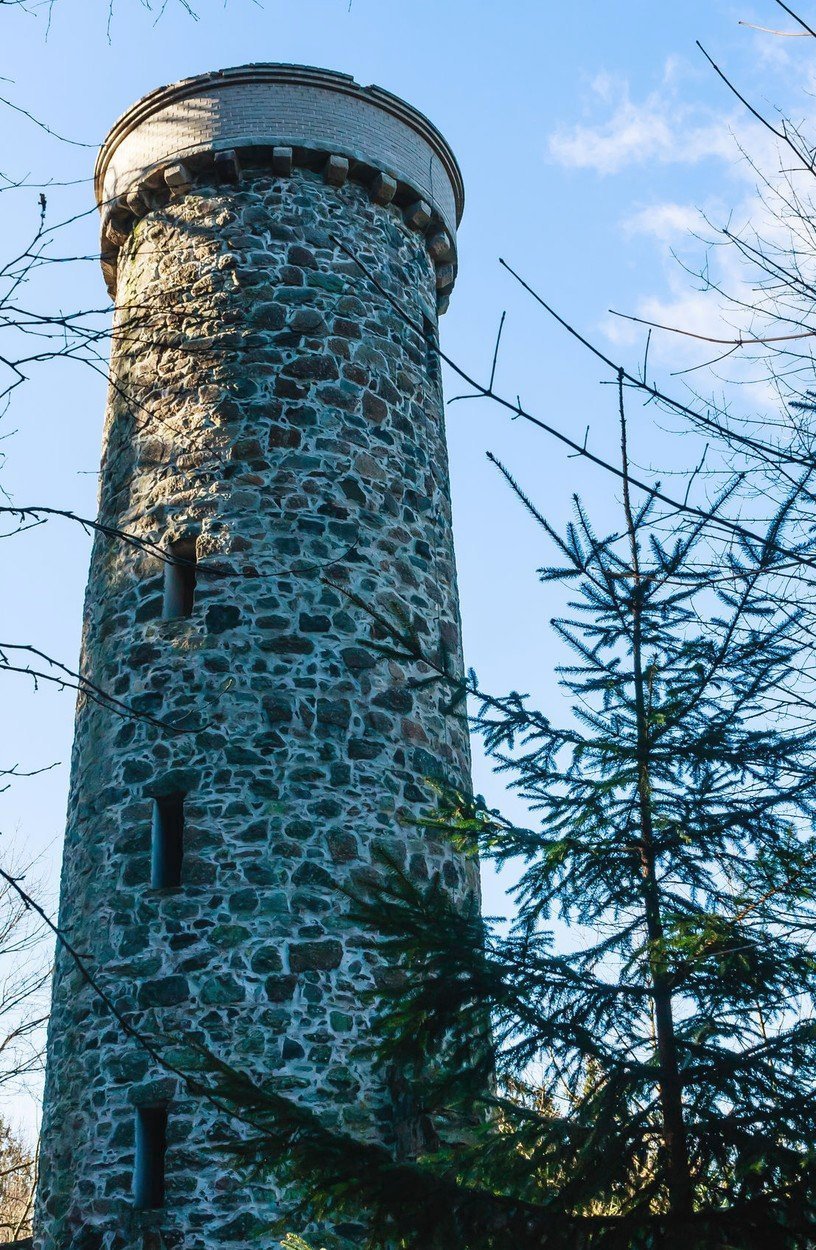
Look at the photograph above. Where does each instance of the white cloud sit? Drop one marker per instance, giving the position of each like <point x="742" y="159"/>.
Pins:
<point x="666" y="222"/>
<point x="660" y="128"/>
<point x="726" y="303"/>
<point x="694" y="312"/>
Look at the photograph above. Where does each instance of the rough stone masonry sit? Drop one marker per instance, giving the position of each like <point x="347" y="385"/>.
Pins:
<point x="274" y="438"/>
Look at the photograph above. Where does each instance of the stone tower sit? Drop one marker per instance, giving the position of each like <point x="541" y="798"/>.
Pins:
<point x="274" y="438"/>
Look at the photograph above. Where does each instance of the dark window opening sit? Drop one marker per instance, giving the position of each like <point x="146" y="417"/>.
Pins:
<point x="180" y="580"/>
<point x="431" y="348"/>
<point x="167" y="846"/>
<point x="151" y="1146"/>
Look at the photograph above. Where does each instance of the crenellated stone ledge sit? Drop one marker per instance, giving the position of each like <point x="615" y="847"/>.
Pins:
<point x="158" y="186"/>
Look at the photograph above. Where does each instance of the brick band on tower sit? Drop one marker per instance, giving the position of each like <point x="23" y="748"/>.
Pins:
<point x="274" y="438"/>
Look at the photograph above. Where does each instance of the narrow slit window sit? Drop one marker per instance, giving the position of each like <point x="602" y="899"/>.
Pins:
<point x="431" y="348"/>
<point x="180" y="580"/>
<point x="167" y="846"/>
<point x="151" y="1146"/>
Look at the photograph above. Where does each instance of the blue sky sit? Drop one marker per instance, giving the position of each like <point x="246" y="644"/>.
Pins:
<point x="590" y="136"/>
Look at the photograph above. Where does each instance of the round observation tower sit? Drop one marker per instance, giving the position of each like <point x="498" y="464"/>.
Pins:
<point x="279" y="242"/>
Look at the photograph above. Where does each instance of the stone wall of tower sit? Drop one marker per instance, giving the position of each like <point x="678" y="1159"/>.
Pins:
<point x="268" y="402"/>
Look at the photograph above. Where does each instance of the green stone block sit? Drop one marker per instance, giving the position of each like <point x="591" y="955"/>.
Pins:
<point x="222" y="990"/>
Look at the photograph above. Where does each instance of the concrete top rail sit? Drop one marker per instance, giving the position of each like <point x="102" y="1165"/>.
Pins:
<point x="253" y="109"/>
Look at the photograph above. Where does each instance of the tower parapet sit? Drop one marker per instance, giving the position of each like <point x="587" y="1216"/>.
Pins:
<point x="281" y="117"/>
<point x="274" y="444"/>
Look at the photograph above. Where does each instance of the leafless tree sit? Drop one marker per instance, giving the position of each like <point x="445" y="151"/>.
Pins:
<point x="18" y="1178"/>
